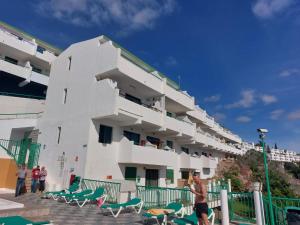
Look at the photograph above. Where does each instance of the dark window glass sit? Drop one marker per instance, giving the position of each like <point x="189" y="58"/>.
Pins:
<point x="35" y="69"/>
<point x="204" y="153"/>
<point x="170" y="144"/>
<point x="152" y="177"/>
<point x="132" y="137"/>
<point x="206" y="171"/>
<point x="11" y="60"/>
<point x="185" y="175"/>
<point x="186" y="150"/>
<point x="40" y="49"/>
<point x="153" y="140"/>
<point x="133" y="99"/>
<point x="105" y="134"/>
<point x="169" y="114"/>
<point x="170" y="175"/>
<point x="130" y="173"/>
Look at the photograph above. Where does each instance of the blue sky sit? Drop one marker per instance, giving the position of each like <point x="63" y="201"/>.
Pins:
<point x="240" y="59"/>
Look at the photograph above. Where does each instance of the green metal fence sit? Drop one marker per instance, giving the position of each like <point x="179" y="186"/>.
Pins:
<point x="279" y="213"/>
<point x="34" y="153"/>
<point x="160" y="197"/>
<point x="284" y="202"/>
<point x="18" y="151"/>
<point x="112" y="189"/>
<point x="241" y="207"/>
<point x="218" y="185"/>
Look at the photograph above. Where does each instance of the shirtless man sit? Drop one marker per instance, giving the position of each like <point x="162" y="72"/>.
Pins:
<point x="200" y="206"/>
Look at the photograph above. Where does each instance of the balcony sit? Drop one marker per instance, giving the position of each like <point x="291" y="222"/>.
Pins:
<point x="180" y="126"/>
<point x="142" y="112"/>
<point x="46" y="56"/>
<point x="135" y="154"/>
<point x="197" y="163"/>
<point x="16" y="42"/>
<point x="23" y="72"/>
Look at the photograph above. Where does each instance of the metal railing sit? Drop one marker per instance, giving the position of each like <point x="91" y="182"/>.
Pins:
<point x="241" y="207"/>
<point x="112" y="189"/>
<point x="279" y="213"/>
<point x="18" y="151"/>
<point x="161" y="197"/>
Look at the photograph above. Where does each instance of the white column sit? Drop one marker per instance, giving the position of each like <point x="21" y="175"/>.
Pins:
<point x="258" y="204"/>
<point x="229" y="185"/>
<point x="224" y="207"/>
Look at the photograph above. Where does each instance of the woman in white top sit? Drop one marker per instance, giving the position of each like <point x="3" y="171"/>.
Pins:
<point x="43" y="174"/>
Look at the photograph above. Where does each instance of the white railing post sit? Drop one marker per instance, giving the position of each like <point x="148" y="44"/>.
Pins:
<point x="229" y="185"/>
<point x="224" y="207"/>
<point x="258" y="204"/>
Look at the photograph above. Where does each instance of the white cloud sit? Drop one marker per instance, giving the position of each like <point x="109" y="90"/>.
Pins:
<point x="213" y="98"/>
<point x="247" y="100"/>
<point x="294" y="115"/>
<point x="289" y="72"/>
<point x="219" y="116"/>
<point x="266" y="9"/>
<point x="268" y="99"/>
<point x="243" y="119"/>
<point x="274" y="115"/>
<point x="128" y="15"/>
<point x="171" y="61"/>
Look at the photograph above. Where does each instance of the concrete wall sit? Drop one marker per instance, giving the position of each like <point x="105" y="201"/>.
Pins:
<point x="11" y="105"/>
<point x="8" y="169"/>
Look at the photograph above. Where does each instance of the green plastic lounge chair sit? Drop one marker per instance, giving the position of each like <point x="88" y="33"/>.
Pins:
<point x="69" y="197"/>
<point x="134" y="203"/>
<point x="98" y="193"/>
<point x="52" y="194"/>
<point x="19" y="220"/>
<point x="193" y="220"/>
<point x="177" y="207"/>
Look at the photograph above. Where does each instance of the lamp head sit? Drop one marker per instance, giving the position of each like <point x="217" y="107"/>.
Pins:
<point x="262" y="130"/>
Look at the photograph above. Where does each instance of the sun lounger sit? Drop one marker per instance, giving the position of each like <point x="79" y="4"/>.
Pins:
<point x="69" y="197"/>
<point x="19" y="220"/>
<point x="193" y="220"/>
<point x="52" y="194"/>
<point x="98" y="193"/>
<point x="176" y="208"/>
<point x="134" y="203"/>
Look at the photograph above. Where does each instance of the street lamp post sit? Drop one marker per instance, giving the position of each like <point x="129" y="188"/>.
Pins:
<point x="262" y="134"/>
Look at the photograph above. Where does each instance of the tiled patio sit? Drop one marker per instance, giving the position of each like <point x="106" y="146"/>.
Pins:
<point x="62" y="214"/>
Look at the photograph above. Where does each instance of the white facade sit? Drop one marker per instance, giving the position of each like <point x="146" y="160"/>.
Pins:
<point x="24" y="73"/>
<point x="95" y="83"/>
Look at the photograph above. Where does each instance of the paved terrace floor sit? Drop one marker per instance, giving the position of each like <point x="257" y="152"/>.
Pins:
<point x="60" y="213"/>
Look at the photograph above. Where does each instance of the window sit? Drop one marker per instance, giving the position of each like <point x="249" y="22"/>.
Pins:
<point x="105" y="134"/>
<point x="204" y="153"/>
<point x="40" y="49"/>
<point x="153" y="140"/>
<point x="185" y="175"/>
<point x="35" y="69"/>
<point x="170" y="144"/>
<point x="170" y="175"/>
<point x="11" y="60"/>
<point x="186" y="150"/>
<point x="133" y="99"/>
<point x="130" y="173"/>
<point x="58" y="136"/>
<point x="206" y="171"/>
<point x="70" y="62"/>
<point x="65" y="96"/>
<point x="132" y="137"/>
<point x="169" y="114"/>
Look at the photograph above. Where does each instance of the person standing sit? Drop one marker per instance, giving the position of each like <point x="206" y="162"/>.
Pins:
<point x="35" y="175"/>
<point x="43" y="174"/>
<point x="21" y="174"/>
<point x="200" y="206"/>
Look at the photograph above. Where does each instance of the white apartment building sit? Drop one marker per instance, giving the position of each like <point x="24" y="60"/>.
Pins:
<point x="284" y="155"/>
<point x="24" y="75"/>
<point x="109" y="115"/>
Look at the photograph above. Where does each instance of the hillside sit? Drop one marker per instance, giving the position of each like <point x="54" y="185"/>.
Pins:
<point x="284" y="177"/>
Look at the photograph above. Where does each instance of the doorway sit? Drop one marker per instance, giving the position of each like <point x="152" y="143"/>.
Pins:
<point x="152" y="177"/>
